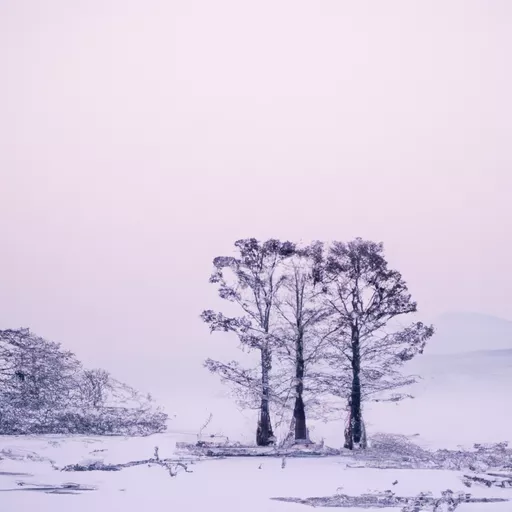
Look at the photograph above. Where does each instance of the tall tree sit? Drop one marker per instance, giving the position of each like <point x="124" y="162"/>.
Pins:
<point x="252" y="281"/>
<point x="364" y="297"/>
<point x="303" y="338"/>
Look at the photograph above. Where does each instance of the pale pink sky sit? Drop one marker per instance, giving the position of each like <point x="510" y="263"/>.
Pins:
<point x="139" y="139"/>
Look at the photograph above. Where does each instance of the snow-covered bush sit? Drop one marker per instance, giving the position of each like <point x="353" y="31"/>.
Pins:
<point x="46" y="390"/>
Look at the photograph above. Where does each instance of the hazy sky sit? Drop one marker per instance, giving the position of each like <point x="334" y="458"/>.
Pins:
<point x="139" y="139"/>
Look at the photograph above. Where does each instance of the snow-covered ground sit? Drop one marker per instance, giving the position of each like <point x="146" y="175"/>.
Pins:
<point x="461" y="400"/>
<point x="227" y="485"/>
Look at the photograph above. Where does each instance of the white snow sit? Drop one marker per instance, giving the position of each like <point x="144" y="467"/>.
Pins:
<point x="460" y="401"/>
<point x="229" y="485"/>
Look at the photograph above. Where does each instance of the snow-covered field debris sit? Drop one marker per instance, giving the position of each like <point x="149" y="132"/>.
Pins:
<point x="448" y="501"/>
<point x="205" y="449"/>
<point x="31" y="477"/>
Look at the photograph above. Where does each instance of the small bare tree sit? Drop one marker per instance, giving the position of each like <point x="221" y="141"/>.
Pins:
<point x="94" y="387"/>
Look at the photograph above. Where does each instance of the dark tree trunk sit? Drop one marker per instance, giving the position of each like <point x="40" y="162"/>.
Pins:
<point x="356" y="420"/>
<point x="299" y="412"/>
<point x="264" y="433"/>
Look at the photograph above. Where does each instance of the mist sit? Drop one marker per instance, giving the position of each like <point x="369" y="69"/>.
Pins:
<point x="138" y="140"/>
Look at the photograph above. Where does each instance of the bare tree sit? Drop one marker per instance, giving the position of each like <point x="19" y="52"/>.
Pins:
<point x="44" y="373"/>
<point x="305" y="330"/>
<point x="11" y="340"/>
<point x="94" y="387"/>
<point x="252" y="281"/>
<point x="40" y="379"/>
<point x="364" y="296"/>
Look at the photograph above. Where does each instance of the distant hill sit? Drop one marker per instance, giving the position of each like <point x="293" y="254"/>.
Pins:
<point x="469" y="332"/>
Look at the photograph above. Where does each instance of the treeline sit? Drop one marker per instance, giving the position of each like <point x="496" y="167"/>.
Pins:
<point x="322" y="319"/>
<point x="46" y="390"/>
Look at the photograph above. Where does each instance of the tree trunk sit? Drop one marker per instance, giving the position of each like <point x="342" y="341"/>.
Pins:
<point x="299" y="412"/>
<point x="264" y="434"/>
<point x="356" y="420"/>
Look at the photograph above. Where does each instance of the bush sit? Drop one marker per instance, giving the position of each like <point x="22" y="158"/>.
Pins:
<point x="45" y="390"/>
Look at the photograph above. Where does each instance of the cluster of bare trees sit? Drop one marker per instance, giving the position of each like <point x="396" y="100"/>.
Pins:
<point x="45" y="389"/>
<point x="323" y="319"/>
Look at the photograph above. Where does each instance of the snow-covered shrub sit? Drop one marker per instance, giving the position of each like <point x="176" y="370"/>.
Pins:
<point x="46" y="390"/>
